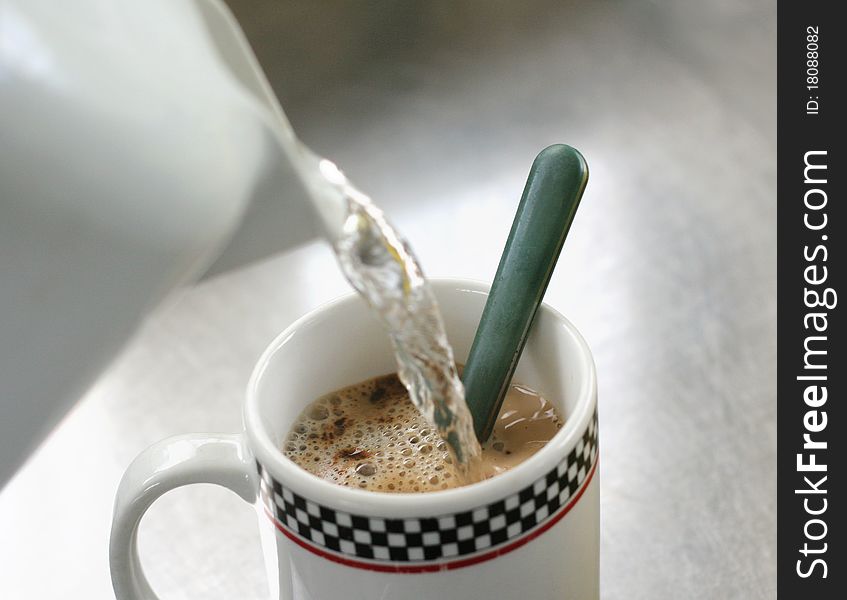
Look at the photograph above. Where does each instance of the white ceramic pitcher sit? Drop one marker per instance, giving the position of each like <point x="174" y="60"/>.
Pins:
<point x="138" y="140"/>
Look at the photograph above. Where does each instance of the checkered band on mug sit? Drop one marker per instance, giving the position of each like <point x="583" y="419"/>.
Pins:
<point x="437" y="538"/>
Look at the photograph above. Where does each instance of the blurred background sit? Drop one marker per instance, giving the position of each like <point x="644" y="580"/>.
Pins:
<point x="437" y="109"/>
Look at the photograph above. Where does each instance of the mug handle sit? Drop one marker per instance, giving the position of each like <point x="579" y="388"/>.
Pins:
<point x="222" y="459"/>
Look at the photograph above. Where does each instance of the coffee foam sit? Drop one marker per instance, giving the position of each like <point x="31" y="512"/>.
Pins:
<point x="370" y="435"/>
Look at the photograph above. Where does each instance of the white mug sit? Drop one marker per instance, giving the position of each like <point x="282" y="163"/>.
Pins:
<point x="532" y="532"/>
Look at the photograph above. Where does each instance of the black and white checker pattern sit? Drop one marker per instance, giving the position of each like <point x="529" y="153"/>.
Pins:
<point x="436" y="538"/>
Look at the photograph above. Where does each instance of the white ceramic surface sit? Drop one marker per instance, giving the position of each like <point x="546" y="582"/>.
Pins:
<point x="334" y="346"/>
<point x="139" y="139"/>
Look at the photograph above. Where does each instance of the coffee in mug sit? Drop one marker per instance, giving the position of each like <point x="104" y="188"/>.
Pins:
<point x="530" y="532"/>
<point x="369" y="435"/>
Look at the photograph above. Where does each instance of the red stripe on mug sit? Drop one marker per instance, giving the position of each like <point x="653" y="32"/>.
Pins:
<point x="446" y="566"/>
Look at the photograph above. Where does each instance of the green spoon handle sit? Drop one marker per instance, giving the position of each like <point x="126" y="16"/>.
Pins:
<point x="550" y="198"/>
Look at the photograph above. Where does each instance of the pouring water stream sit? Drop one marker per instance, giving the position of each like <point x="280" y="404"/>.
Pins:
<point x="380" y="265"/>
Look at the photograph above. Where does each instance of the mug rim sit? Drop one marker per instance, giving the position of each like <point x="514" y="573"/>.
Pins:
<point x="400" y="504"/>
